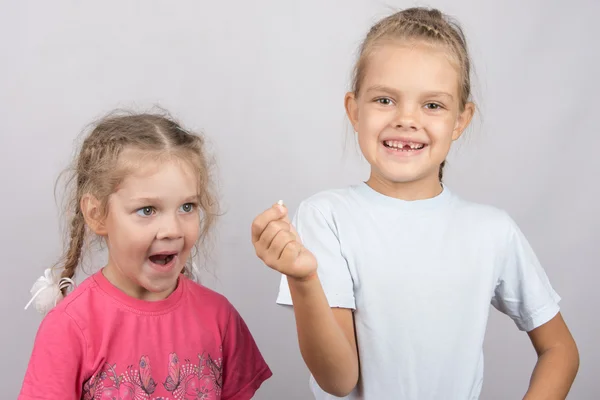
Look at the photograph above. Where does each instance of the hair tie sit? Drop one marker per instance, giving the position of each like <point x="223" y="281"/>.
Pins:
<point x="47" y="291"/>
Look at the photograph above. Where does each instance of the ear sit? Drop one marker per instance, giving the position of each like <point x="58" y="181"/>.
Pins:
<point x="351" y="106"/>
<point x="90" y="207"/>
<point x="463" y="120"/>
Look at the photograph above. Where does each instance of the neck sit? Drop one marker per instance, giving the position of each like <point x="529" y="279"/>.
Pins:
<point x="415" y="190"/>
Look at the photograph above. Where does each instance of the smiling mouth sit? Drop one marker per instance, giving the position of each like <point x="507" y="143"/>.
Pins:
<point x="403" y="146"/>
<point x="162" y="259"/>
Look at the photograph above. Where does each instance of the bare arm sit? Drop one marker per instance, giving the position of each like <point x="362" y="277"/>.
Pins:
<point x="558" y="361"/>
<point x="325" y="335"/>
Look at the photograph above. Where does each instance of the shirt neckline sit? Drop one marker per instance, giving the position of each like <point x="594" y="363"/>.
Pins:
<point x="138" y="305"/>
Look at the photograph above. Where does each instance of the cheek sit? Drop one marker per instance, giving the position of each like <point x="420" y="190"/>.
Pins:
<point x="367" y="143"/>
<point x="442" y="129"/>
<point x="129" y="237"/>
<point x="192" y="232"/>
<point x="370" y="128"/>
<point x="372" y="121"/>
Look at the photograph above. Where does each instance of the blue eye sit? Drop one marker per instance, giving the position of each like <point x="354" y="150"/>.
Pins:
<point x="188" y="207"/>
<point x="145" y="211"/>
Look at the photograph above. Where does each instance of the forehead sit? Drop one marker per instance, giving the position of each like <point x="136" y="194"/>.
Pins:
<point x="410" y="66"/>
<point x="168" y="177"/>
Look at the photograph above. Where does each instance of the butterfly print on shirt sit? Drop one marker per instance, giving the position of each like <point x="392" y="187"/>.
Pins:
<point x="202" y="380"/>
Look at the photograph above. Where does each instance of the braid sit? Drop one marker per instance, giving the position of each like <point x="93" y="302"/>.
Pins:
<point x="426" y="27"/>
<point x="77" y="237"/>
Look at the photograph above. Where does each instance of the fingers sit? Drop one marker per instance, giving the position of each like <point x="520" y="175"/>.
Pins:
<point x="283" y="242"/>
<point x="260" y="223"/>
<point x="265" y="241"/>
<point x="275" y="240"/>
<point x="295" y="233"/>
<point x="291" y="253"/>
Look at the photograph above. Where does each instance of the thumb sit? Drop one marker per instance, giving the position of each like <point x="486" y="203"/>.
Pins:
<point x="286" y="218"/>
<point x="283" y="211"/>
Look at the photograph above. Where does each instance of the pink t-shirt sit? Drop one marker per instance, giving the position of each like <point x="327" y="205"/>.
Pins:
<point x="98" y="343"/>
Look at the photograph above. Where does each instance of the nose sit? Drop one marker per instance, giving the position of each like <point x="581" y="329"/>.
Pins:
<point x="406" y="118"/>
<point x="170" y="227"/>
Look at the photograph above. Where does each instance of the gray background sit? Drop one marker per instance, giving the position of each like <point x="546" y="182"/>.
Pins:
<point x="265" y="80"/>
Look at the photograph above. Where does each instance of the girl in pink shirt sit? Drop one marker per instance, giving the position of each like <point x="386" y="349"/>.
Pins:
<point x="141" y="327"/>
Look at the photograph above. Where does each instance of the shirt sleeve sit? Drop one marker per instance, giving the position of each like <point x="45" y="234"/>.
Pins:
<point x="523" y="291"/>
<point x="244" y="369"/>
<point x="55" y="365"/>
<point x="319" y="235"/>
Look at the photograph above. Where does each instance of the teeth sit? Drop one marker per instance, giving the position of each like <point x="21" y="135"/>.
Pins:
<point x="163" y="260"/>
<point x="400" y="145"/>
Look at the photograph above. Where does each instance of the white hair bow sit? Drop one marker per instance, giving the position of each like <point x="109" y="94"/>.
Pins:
<point x="47" y="291"/>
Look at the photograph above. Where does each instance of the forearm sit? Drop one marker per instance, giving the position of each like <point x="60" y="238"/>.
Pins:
<point x="553" y="374"/>
<point x="325" y="348"/>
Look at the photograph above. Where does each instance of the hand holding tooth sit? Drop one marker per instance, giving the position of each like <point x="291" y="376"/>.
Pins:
<point x="278" y="245"/>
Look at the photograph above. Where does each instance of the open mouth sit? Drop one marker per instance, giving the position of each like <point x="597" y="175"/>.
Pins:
<point x="400" y="145"/>
<point x="162" y="259"/>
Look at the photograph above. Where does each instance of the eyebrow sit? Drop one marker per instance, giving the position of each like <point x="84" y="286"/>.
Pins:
<point x="380" y="88"/>
<point x="439" y="94"/>
<point x="386" y="89"/>
<point x="154" y="200"/>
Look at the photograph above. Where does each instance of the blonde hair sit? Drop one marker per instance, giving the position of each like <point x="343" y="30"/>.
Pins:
<point x="99" y="168"/>
<point x="418" y="24"/>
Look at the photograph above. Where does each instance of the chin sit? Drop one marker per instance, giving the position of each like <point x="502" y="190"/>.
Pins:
<point x="157" y="284"/>
<point x="400" y="178"/>
<point x="160" y="287"/>
<point x="406" y="174"/>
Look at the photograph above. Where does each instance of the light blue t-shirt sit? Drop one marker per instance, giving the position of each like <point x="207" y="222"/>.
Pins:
<point x="420" y="276"/>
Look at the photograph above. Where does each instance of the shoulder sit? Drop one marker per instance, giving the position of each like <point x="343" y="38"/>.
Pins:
<point x="76" y="303"/>
<point x="69" y="320"/>
<point x="61" y="331"/>
<point x="490" y="226"/>
<point x="323" y="212"/>
<point x="331" y="204"/>
<point x="486" y="216"/>
<point x="326" y="199"/>
<point x="59" y="351"/>
<point x="208" y="300"/>
<point x="213" y="308"/>
<point x="202" y="293"/>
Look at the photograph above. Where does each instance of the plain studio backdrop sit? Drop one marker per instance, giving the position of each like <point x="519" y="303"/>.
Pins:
<point x="265" y="81"/>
